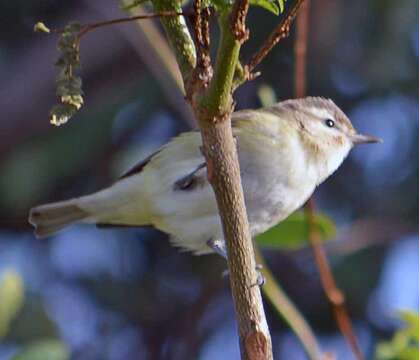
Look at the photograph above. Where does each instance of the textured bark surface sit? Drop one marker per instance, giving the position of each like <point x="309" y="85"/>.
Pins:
<point x="224" y="175"/>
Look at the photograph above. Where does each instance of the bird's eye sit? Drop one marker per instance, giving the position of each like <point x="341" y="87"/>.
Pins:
<point x="329" y="123"/>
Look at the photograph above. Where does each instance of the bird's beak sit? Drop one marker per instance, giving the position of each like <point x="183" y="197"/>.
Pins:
<point x="365" y="139"/>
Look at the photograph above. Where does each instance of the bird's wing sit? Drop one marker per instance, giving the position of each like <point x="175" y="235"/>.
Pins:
<point x="138" y="167"/>
<point x="242" y="115"/>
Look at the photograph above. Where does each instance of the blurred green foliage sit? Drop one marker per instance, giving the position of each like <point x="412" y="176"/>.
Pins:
<point x="11" y="299"/>
<point x="292" y="233"/>
<point x="47" y="349"/>
<point x="405" y="343"/>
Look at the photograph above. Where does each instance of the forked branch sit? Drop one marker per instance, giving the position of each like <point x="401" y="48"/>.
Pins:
<point x="280" y="32"/>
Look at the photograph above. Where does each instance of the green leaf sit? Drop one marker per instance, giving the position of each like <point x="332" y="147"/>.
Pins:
<point x="267" y="96"/>
<point x="48" y="349"/>
<point x="274" y="6"/>
<point x="412" y="321"/>
<point x="410" y="353"/>
<point x="11" y="299"/>
<point x="220" y="5"/>
<point x="389" y="350"/>
<point x="405" y="343"/>
<point x="41" y="27"/>
<point x="128" y="5"/>
<point x="269" y="5"/>
<point x="281" y="5"/>
<point x="292" y="233"/>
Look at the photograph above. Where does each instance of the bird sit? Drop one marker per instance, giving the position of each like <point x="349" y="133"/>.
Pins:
<point x="285" y="151"/>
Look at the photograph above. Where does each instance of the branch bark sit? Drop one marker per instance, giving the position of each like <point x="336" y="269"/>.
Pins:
<point x="213" y="111"/>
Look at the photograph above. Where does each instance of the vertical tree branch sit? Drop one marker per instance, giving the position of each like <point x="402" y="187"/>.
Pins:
<point x="213" y="111"/>
<point x="333" y="294"/>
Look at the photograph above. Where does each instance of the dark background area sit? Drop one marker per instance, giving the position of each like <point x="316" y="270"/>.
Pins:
<point x="127" y="294"/>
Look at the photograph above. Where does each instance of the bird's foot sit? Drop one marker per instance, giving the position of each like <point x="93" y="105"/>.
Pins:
<point x="219" y="247"/>
<point x="260" y="279"/>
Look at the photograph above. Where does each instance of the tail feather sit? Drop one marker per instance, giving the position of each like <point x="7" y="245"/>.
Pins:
<point x="120" y="204"/>
<point x="50" y="218"/>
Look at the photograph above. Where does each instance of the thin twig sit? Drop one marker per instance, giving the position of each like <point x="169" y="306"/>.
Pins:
<point x="280" y="32"/>
<point x="202" y="73"/>
<point x="300" y="51"/>
<point x="238" y="20"/>
<point x="206" y="14"/>
<point x="333" y="294"/>
<point x="89" y="27"/>
<point x="197" y="25"/>
<point x="154" y="50"/>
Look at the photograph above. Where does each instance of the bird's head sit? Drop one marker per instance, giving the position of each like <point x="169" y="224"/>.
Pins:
<point x="324" y="130"/>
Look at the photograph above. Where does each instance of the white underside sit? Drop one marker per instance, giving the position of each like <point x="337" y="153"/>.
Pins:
<point x="272" y="190"/>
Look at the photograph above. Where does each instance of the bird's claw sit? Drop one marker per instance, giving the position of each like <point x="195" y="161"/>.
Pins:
<point x="260" y="279"/>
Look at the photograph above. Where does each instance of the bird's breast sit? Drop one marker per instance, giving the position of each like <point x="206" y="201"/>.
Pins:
<point x="276" y="180"/>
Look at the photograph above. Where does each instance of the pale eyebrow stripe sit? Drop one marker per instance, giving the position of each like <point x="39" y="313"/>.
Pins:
<point x="322" y="113"/>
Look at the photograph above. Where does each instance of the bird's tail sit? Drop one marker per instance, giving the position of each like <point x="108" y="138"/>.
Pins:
<point x="50" y="218"/>
<point x="120" y="204"/>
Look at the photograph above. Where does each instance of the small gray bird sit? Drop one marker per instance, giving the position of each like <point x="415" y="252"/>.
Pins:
<point x="285" y="151"/>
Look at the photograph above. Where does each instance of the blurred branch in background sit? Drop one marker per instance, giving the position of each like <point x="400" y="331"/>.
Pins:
<point x="69" y="83"/>
<point x="333" y="294"/>
<point x="280" y="32"/>
<point x="155" y="53"/>
<point x="17" y="129"/>
<point x="369" y="232"/>
<point x="286" y="309"/>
